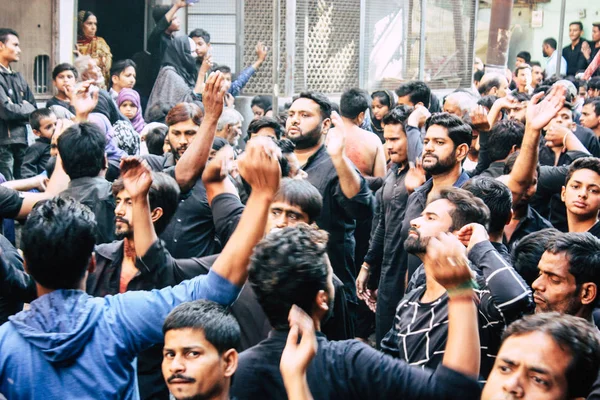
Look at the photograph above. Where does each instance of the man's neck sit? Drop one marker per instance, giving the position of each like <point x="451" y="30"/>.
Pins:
<point x="41" y="290"/>
<point x="129" y="248"/>
<point x="304" y="154"/>
<point x="575" y="42"/>
<point x="4" y="63"/>
<point x="433" y="290"/>
<point x="577" y="224"/>
<point x="350" y="122"/>
<point x="596" y="130"/>
<point x="519" y="213"/>
<point x="446" y="179"/>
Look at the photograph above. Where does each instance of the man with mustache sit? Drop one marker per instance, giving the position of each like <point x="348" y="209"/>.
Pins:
<point x="420" y="327"/>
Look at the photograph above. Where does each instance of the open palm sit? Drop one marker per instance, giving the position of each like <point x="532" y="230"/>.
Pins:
<point x="540" y="113"/>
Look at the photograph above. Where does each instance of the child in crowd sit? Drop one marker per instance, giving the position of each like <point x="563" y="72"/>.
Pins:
<point x="64" y="76"/>
<point x="129" y="104"/>
<point x="43" y="123"/>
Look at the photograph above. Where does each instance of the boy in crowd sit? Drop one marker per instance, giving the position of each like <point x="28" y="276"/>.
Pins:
<point x="43" y="124"/>
<point x="64" y="77"/>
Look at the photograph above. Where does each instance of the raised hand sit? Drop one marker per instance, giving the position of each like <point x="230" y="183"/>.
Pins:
<point x="418" y="117"/>
<point x="206" y="64"/>
<point x="479" y="119"/>
<point x="259" y="165"/>
<point x="137" y="176"/>
<point x="540" y="113"/>
<point x="415" y="176"/>
<point x="448" y="259"/>
<point x="218" y="168"/>
<point x="336" y="137"/>
<point x="213" y="95"/>
<point x="556" y="135"/>
<point x="84" y="98"/>
<point x="261" y="52"/>
<point x="586" y="50"/>
<point x="471" y="234"/>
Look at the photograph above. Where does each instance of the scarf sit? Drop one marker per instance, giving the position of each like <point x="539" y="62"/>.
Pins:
<point x="178" y="55"/>
<point x="133" y="96"/>
<point x="391" y="102"/>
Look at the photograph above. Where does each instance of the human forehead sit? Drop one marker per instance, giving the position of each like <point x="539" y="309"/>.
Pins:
<point x="287" y="207"/>
<point x="184" y="126"/>
<point x="392" y="131"/>
<point x="305" y="105"/>
<point x="586" y="177"/>
<point x="555" y="263"/>
<point x="437" y="132"/>
<point x="439" y="207"/>
<point x="49" y="119"/>
<point x="184" y="338"/>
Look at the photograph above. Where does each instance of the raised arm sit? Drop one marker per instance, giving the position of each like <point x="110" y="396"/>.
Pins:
<point x="350" y="180"/>
<point x="192" y="162"/>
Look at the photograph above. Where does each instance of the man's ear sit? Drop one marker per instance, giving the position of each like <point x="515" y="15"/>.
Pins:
<point x="325" y="126"/>
<point x="322" y="301"/>
<point x="588" y="293"/>
<point x="114" y="79"/>
<point x="156" y="214"/>
<point x="230" y="362"/>
<point x="562" y="194"/>
<point x="461" y="151"/>
<point x="361" y="118"/>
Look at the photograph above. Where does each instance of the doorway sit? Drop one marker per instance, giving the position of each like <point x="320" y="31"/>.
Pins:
<point x="120" y="23"/>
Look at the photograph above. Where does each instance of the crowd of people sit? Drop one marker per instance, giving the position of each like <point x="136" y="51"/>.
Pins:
<point x="396" y="244"/>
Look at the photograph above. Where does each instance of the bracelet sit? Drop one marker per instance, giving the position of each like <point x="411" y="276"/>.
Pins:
<point x="467" y="286"/>
<point x="365" y="267"/>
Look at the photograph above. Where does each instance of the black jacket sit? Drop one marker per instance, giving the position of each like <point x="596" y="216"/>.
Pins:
<point x="15" y="288"/>
<point x="14" y="114"/>
<point x="36" y="157"/>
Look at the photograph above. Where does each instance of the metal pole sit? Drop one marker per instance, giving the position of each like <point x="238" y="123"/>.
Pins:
<point x="290" y="44"/>
<point x="362" y="45"/>
<point x="499" y="37"/>
<point x="422" y="39"/>
<point x="560" y="37"/>
<point x="276" y="33"/>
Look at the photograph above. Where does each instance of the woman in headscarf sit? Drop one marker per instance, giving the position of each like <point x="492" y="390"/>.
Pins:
<point x="178" y="79"/>
<point x="129" y="104"/>
<point x="383" y="102"/>
<point x="88" y="44"/>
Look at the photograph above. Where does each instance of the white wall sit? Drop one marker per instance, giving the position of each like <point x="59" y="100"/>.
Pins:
<point x="66" y="31"/>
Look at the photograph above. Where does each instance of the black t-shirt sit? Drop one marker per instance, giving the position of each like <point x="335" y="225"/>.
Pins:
<point x="10" y="203"/>
<point x="595" y="230"/>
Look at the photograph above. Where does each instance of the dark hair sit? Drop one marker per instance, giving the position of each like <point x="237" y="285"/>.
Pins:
<point x="521" y="97"/>
<point x="496" y="196"/>
<point x="535" y="64"/>
<point x="183" y="112"/>
<point x="265" y="122"/>
<point x="289" y="267"/>
<point x="155" y="139"/>
<point x="163" y="193"/>
<point x="478" y="75"/>
<point x="86" y="16"/>
<point x="287" y="147"/>
<point x="503" y="137"/>
<point x="301" y="193"/>
<point x="81" y="148"/>
<point x="201" y="33"/>
<point x="58" y="240"/>
<point x="525" y="55"/>
<point x="384" y="97"/>
<point x="467" y="208"/>
<point x="219" y="143"/>
<point x="550" y="42"/>
<point x="5" y="33"/>
<point x="594" y="83"/>
<point x="319" y="98"/>
<point x="417" y="92"/>
<point x="223" y="69"/>
<point x="119" y="66"/>
<point x="62" y="68"/>
<point x="526" y="255"/>
<point x="510" y="163"/>
<point x="595" y="102"/>
<point x="493" y="81"/>
<point x="50" y="165"/>
<point x="522" y="67"/>
<point x="353" y="102"/>
<point x="263" y="102"/>
<point x="596" y="25"/>
<point x="577" y="23"/>
<point x="398" y="116"/>
<point x="36" y="117"/>
<point x="591" y="163"/>
<point x="458" y="131"/>
<point x="570" y="333"/>
<point x="158" y="112"/>
<point x="159" y="11"/>
<point x="220" y="328"/>
<point x="487" y="101"/>
<point x="583" y="253"/>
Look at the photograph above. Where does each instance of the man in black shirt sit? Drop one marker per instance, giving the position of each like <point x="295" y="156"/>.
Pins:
<point x="576" y="61"/>
<point x="581" y="195"/>
<point x="167" y="23"/>
<point x="504" y="138"/>
<point x="290" y="267"/>
<point x="346" y="195"/>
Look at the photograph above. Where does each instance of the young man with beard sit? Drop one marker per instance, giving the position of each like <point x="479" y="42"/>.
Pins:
<point x="419" y="334"/>
<point x="446" y="145"/>
<point x="346" y="196"/>
<point x="291" y="267"/>
<point x="581" y="195"/>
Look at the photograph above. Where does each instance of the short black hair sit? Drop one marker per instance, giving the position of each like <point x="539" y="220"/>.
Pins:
<point x="595" y="102"/>
<point x="398" y="116"/>
<point x="385" y="98"/>
<point x="265" y="122"/>
<point x="522" y="67"/>
<point x="573" y="334"/>
<point x="62" y="68"/>
<point x="596" y="25"/>
<point x="324" y="104"/>
<point x="496" y="196"/>
<point x="50" y="165"/>
<point x="535" y="64"/>
<point x="577" y="23"/>
<point x="353" y="102"/>
<point x="163" y="193"/>
<point x="119" y="66"/>
<point x="158" y="112"/>
<point x="155" y="139"/>
<point x="525" y="55"/>
<point x="5" y="33"/>
<point x="458" y="131"/>
<point x="583" y="253"/>
<point x="521" y="97"/>
<point x="289" y="267"/>
<point x="467" y="208"/>
<point x="594" y="83"/>
<point x="417" y="92"/>
<point x="81" y="148"/>
<point x="551" y="42"/>
<point x="222" y="68"/>
<point x="591" y="163"/>
<point x="219" y="327"/>
<point x="478" y="75"/>
<point x="510" y="163"/>
<point x="263" y="102"/>
<point x="526" y="255"/>
<point x="58" y="240"/>
<point x="36" y="117"/>
<point x="301" y="193"/>
<point x="201" y="33"/>
<point x="503" y="136"/>
<point x="487" y="101"/>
